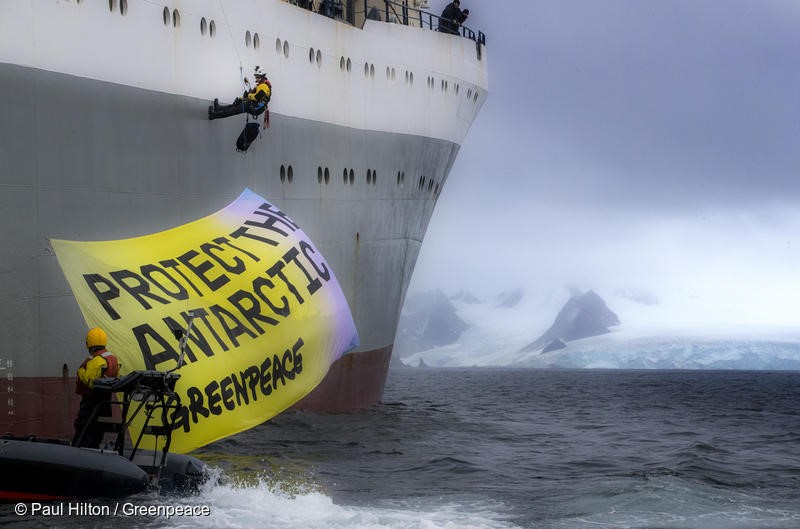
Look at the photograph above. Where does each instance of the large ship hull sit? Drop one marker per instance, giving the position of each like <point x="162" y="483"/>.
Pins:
<point x="110" y="150"/>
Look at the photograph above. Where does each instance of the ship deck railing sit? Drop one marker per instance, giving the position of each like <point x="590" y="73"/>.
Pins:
<point x="398" y="12"/>
<point x="403" y="14"/>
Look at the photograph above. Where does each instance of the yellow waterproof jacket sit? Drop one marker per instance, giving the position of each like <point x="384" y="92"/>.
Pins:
<point x="261" y="93"/>
<point x="103" y="364"/>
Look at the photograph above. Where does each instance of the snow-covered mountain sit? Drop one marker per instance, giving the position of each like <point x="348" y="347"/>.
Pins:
<point x="650" y="336"/>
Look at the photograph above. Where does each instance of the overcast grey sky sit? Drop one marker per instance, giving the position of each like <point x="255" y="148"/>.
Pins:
<point x="636" y="144"/>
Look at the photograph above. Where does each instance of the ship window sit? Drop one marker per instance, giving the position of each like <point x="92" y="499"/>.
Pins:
<point x="248" y="38"/>
<point x="369" y="176"/>
<point x="372" y="71"/>
<point x="421" y="182"/>
<point x="475" y="97"/>
<point x="352" y="177"/>
<point x="366" y="69"/>
<point x="398" y="178"/>
<point x="212" y="29"/>
<point x="458" y="87"/>
<point x="286" y="48"/>
<point x="123" y="7"/>
<point x="112" y="4"/>
<point x="393" y="74"/>
<point x="319" y="174"/>
<point x="256" y="41"/>
<point x="341" y="63"/>
<point x="436" y="190"/>
<point x="176" y="18"/>
<point x="203" y="26"/>
<point x="349" y="65"/>
<point x="311" y="55"/>
<point x="387" y="72"/>
<point x="430" y="185"/>
<point x="327" y="175"/>
<point x="374" y="176"/>
<point x="283" y="173"/>
<point x="469" y="93"/>
<point x="344" y="175"/>
<point x="319" y="58"/>
<point x="166" y="16"/>
<point x="290" y="174"/>
<point x="278" y="46"/>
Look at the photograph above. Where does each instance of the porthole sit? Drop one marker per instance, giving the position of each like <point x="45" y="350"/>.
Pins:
<point x="352" y="177"/>
<point x="469" y="93"/>
<point x="319" y="58"/>
<point x="256" y="41"/>
<point x="212" y="29"/>
<point x="430" y="185"/>
<point x="278" y="47"/>
<point x="458" y="87"/>
<point x="344" y="175"/>
<point x="369" y="176"/>
<point x="341" y="63"/>
<point x="398" y="178"/>
<point x="248" y="38"/>
<point x="286" y="48"/>
<point x="349" y="65"/>
<point x="283" y="173"/>
<point x="421" y="183"/>
<point x="176" y="18"/>
<point x="475" y="97"/>
<point x="372" y="71"/>
<point x="311" y="55"/>
<point x="203" y="26"/>
<point x="387" y="73"/>
<point x="436" y="190"/>
<point x="123" y="7"/>
<point x="319" y="174"/>
<point x="366" y="69"/>
<point x="406" y="76"/>
<point x="290" y="174"/>
<point x="327" y="175"/>
<point x="411" y="77"/>
<point x="374" y="176"/>
<point x="112" y="5"/>
<point x="394" y="74"/>
<point x="165" y="15"/>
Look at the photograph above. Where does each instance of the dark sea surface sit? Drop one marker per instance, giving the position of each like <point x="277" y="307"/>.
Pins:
<point x="499" y="448"/>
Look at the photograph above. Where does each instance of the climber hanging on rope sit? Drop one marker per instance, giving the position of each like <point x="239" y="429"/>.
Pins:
<point x="254" y="101"/>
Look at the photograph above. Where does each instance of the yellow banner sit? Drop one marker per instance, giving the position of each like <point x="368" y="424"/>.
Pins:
<point x="270" y="317"/>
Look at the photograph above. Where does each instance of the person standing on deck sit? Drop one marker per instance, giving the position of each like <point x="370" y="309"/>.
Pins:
<point x="101" y="363"/>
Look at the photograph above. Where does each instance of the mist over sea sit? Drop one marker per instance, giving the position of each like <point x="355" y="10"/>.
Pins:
<point x="502" y="448"/>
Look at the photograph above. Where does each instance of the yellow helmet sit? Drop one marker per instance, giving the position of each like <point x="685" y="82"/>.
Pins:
<point x="96" y="337"/>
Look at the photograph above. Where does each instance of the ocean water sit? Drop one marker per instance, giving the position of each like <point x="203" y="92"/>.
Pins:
<point x="499" y="448"/>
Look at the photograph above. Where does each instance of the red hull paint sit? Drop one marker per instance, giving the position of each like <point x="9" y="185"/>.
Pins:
<point x="46" y="406"/>
<point x="354" y="382"/>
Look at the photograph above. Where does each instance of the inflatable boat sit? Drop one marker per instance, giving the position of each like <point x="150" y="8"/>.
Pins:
<point x="49" y="469"/>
